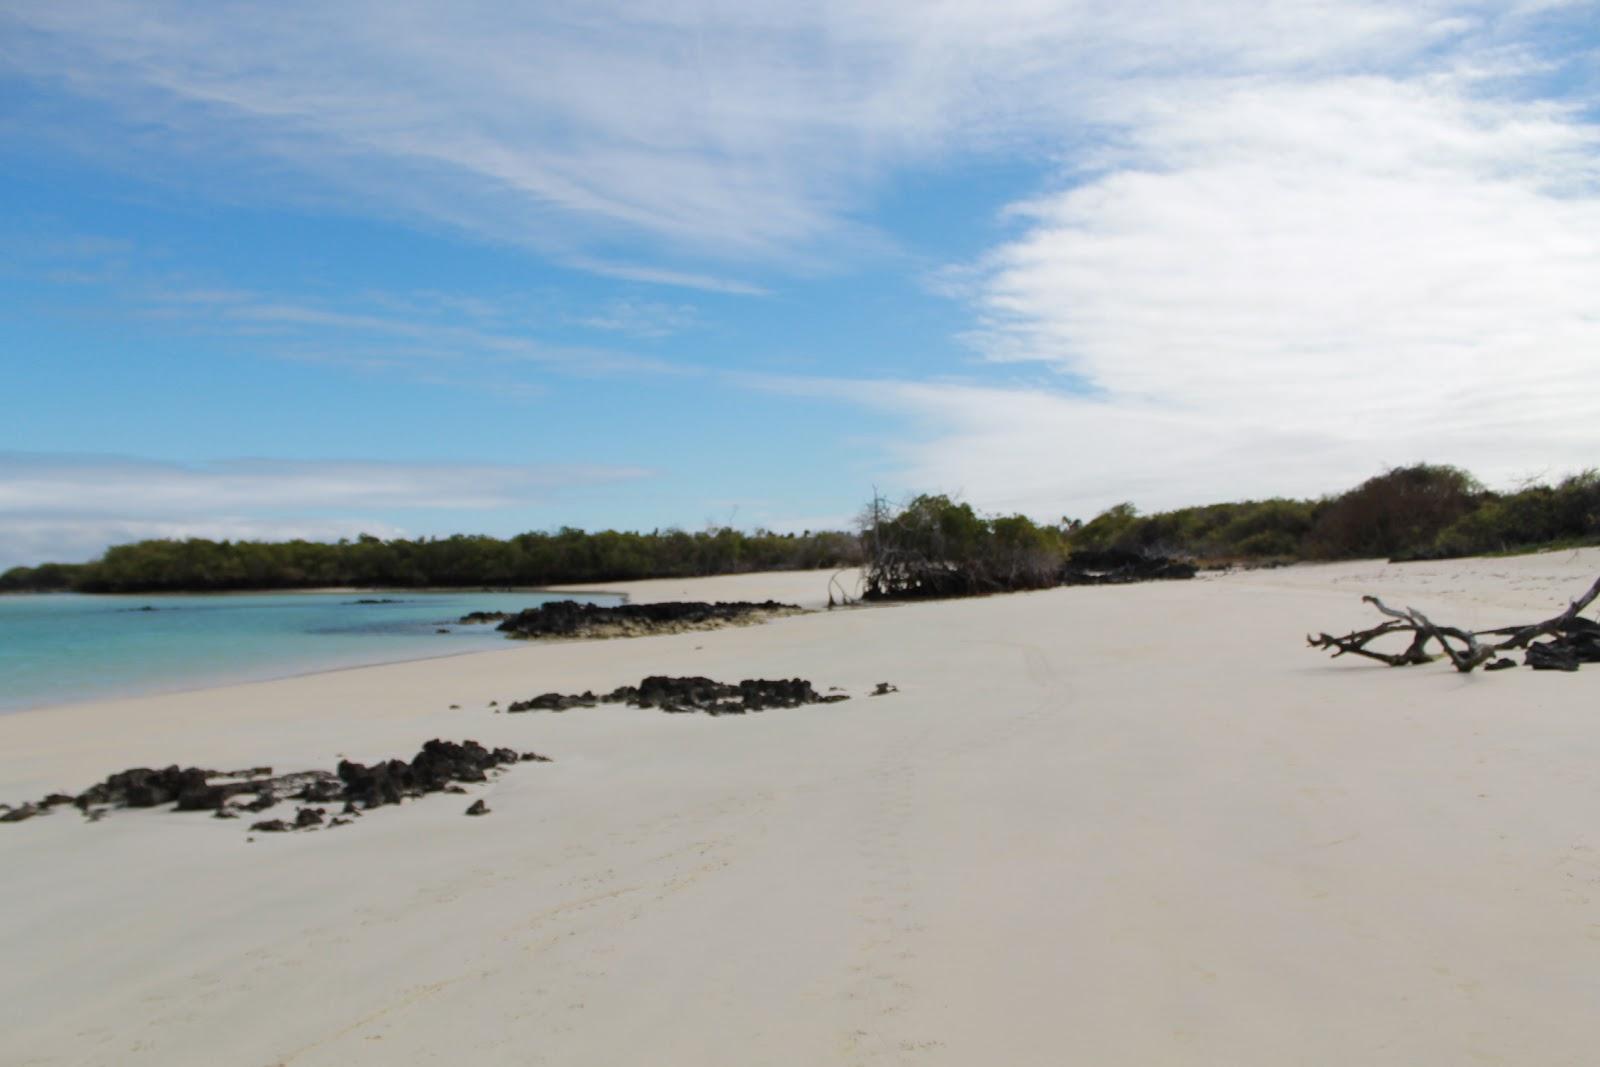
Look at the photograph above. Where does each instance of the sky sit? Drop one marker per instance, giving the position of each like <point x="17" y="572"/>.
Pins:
<point x="412" y="269"/>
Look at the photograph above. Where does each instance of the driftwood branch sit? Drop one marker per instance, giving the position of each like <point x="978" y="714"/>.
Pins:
<point x="1574" y="639"/>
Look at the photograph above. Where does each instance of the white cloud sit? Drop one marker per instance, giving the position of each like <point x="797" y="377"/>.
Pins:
<point x="736" y="129"/>
<point x="32" y="483"/>
<point x="1349" y="272"/>
<point x="1290" y="243"/>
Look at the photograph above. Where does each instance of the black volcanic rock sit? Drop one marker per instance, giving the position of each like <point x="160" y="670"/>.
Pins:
<point x="568" y="618"/>
<point x="483" y="616"/>
<point x="439" y="765"/>
<point x="693" y="694"/>
<point x="1552" y="656"/>
<point x="553" y="702"/>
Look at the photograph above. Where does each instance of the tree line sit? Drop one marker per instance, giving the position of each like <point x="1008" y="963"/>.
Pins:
<point x="529" y="559"/>
<point x="1424" y="511"/>
<point x="928" y="546"/>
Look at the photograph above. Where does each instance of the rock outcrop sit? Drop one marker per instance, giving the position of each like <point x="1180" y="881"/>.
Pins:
<point x="437" y="767"/>
<point x="691" y="694"/>
<point x="568" y="618"/>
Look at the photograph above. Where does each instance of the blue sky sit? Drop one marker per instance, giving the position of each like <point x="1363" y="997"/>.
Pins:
<point x="307" y="270"/>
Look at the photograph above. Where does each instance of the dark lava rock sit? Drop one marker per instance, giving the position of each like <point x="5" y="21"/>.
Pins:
<point x="379" y="600"/>
<point x="1501" y="664"/>
<point x="1552" y="656"/>
<point x="883" y="689"/>
<point x="568" y="618"/>
<point x="26" y="811"/>
<point x="321" y="790"/>
<point x="534" y="757"/>
<point x="553" y="702"/>
<point x="1584" y="640"/>
<point x="478" y="807"/>
<point x="693" y="694"/>
<point x="1118" y="567"/>
<point x="141" y="787"/>
<point x="438" y="765"/>
<point x="483" y="616"/>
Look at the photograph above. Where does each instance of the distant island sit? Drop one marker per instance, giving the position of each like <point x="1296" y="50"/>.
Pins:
<point x="930" y="546"/>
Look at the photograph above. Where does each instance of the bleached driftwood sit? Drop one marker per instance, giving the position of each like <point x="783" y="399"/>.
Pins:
<point x="1575" y="639"/>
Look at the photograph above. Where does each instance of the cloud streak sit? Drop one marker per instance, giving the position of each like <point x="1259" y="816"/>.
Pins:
<point x="59" y="504"/>
<point x="1276" y="247"/>
<point x="742" y="131"/>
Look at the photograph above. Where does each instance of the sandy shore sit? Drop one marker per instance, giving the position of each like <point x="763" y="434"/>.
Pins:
<point x="1139" y="825"/>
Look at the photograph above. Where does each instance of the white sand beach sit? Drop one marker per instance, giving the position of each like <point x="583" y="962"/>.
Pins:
<point x="1140" y="825"/>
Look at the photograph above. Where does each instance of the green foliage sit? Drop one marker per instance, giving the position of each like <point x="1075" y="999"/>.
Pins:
<point x="529" y="559"/>
<point x="935" y="547"/>
<point x="45" y="578"/>
<point x="1253" y="530"/>
<point x="1418" y="512"/>
<point x="1567" y="513"/>
<point x="932" y="546"/>
<point x="1399" y="513"/>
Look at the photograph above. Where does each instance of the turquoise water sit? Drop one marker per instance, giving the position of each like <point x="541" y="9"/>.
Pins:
<point x="61" y="648"/>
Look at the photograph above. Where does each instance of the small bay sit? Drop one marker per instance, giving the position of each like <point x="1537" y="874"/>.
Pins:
<point x="63" y="648"/>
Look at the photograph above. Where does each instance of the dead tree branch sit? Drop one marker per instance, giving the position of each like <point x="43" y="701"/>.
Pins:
<point x="1574" y="639"/>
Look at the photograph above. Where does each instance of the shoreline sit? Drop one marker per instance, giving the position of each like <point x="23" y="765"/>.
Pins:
<point x="1139" y="824"/>
<point x="645" y="591"/>
<point x="340" y="590"/>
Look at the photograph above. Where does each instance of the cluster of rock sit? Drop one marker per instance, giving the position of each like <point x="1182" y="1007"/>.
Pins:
<point x="438" y="767"/>
<point x="691" y="694"/>
<point x="568" y="618"/>
<point x="1114" y="566"/>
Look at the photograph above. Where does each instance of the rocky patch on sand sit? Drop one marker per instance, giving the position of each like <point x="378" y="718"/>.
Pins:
<point x="438" y="767"/>
<point x="691" y="694"/>
<point x="472" y="617"/>
<point x="568" y="618"/>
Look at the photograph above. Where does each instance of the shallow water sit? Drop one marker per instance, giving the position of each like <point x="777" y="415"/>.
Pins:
<point x="62" y="648"/>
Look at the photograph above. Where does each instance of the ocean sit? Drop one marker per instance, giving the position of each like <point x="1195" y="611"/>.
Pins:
<point x="62" y="648"/>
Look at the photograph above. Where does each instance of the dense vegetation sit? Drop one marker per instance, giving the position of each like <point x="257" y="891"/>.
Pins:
<point x="1418" y="512"/>
<point x="530" y="559"/>
<point x="932" y="546"/>
<point x="936" y="547"/>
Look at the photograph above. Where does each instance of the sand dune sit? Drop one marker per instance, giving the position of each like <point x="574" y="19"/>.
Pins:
<point x="1138" y="825"/>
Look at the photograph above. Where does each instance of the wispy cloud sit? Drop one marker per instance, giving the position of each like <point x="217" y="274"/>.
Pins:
<point x="743" y="131"/>
<point x="657" y="276"/>
<point x="640" y="318"/>
<point x="52" y="503"/>
<point x="461" y="340"/>
<point x="1280" y="245"/>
